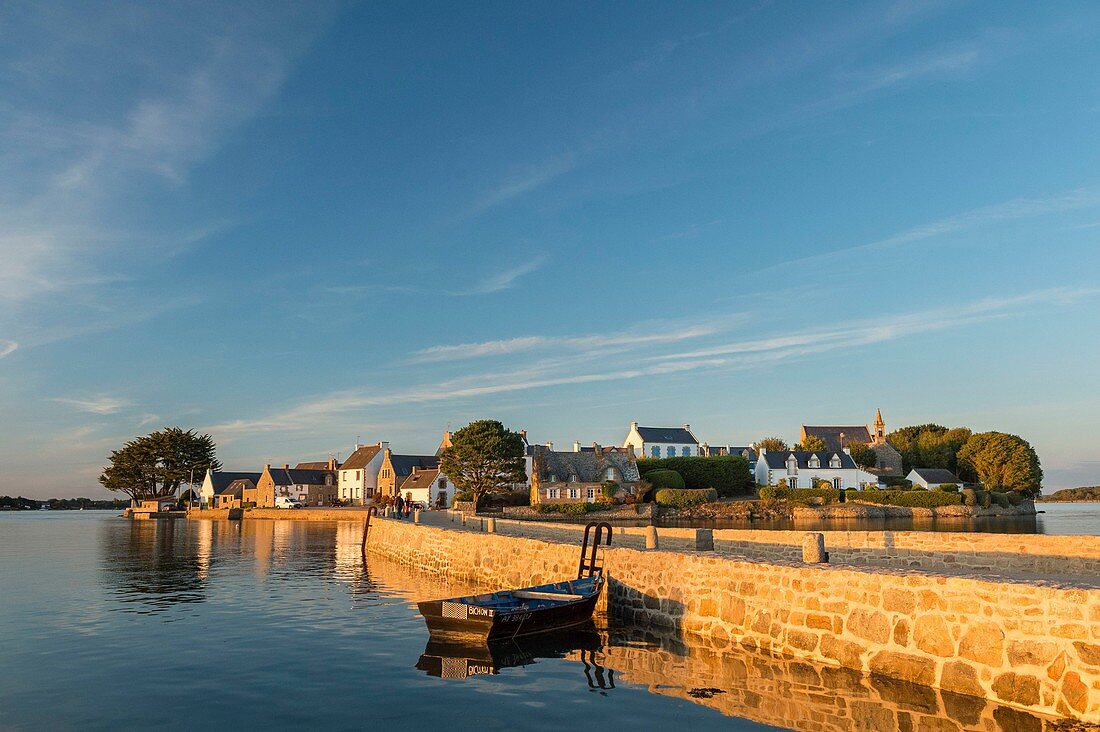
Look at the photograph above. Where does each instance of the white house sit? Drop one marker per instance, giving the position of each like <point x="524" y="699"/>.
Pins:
<point x="932" y="478"/>
<point x="357" y="480"/>
<point x="661" y="442"/>
<point x="217" y="481"/>
<point x="804" y="469"/>
<point x="429" y="488"/>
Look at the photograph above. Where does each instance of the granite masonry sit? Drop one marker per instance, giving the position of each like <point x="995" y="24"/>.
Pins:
<point x="1032" y="645"/>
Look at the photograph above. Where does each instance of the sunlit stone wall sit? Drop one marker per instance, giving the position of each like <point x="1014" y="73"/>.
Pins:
<point x="1032" y="645"/>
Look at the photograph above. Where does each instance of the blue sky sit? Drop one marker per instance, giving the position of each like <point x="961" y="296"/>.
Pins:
<point x="292" y="225"/>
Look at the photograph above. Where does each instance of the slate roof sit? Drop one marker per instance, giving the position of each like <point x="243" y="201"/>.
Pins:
<point x="222" y="478"/>
<point x="831" y="435"/>
<point x="236" y="488"/>
<point x="664" y="435"/>
<point x="404" y="464"/>
<point x="318" y="465"/>
<point x="718" y="450"/>
<point x="589" y="467"/>
<point x="936" y="475"/>
<point x="419" y="479"/>
<point x="778" y="460"/>
<point x="295" y="476"/>
<point x="361" y="457"/>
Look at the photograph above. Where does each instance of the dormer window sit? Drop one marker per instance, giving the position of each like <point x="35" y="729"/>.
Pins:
<point x="573" y="478"/>
<point x="834" y="462"/>
<point x="814" y="462"/>
<point x="792" y="465"/>
<point x="610" y="474"/>
<point x="553" y="478"/>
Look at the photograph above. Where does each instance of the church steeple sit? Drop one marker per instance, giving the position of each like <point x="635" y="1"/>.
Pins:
<point x="879" y="435"/>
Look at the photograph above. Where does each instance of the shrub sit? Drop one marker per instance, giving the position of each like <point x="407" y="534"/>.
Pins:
<point x="907" y="499"/>
<point x="574" y="509"/>
<point x="772" y="493"/>
<point x="897" y="483"/>
<point x="609" y="490"/>
<point x="465" y="496"/>
<point x="685" y="497"/>
<point x="1016" y="498"/>
<point x="948" y="488"/>
<point x="783" y="493"/>
<point x="970" y="497"/>
<point x="664" y="478"/>
<point x="248" y="504"/>
<point x="509" y="498"/>
<point x="985" y="499"/>
<point x="782" y="484"/>
<point x="1001" y="499"/>
<point x="727" y="474"/>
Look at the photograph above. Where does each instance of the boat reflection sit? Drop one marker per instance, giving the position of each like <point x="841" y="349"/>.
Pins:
<point x="449" y="658"/>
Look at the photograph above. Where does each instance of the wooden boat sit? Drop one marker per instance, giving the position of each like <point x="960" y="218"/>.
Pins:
<point x="526" y="611"/>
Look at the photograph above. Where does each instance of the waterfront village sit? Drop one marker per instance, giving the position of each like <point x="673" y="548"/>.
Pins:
<point x="652" y="465"/>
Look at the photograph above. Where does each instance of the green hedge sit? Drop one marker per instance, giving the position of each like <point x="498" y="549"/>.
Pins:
<point x="896" y="482"/>
<point x="685" y="497"/>
<point x="1001" y="499"/>
<point x="574" y="509"/>
<point x="1016" y="498"/>
<point x="907" y="499"/>
<point x="948" y="488"/>
<point x="771" y="492"/>
<point x="727" y="474"/>
<point x="664" y="478"/>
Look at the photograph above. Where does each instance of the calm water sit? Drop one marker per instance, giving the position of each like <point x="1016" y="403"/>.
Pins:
<point x="112" y="624"/>
<point x="1058" y="518"/>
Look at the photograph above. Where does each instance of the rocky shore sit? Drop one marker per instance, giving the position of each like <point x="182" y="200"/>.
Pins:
<point x="779" y="511"/>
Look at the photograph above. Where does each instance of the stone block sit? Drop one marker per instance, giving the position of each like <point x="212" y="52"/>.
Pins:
<point x="1017" y="688"/>
<point x="1089" y="653"/>
<point x="1031" y="653"/>
<point x="960" y="677"/>
<point x="846" y="653"/>
<point x="984" y="643"/>
<point x="904" y="666"/>
<point x="931" y="635"/>
<point x="868" y="625"/>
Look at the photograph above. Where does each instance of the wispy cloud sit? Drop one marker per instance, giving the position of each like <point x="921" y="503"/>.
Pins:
<point x="523" y="344"/>
<point x="505" y="280"/>
<point x="7" y="348"/>
<point x="100" y="404"/>
<point x="525" y="182"/>
<point x="626" y="365"/>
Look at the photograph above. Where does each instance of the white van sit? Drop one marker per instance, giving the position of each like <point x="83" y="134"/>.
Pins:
<point x="285" y="502"/>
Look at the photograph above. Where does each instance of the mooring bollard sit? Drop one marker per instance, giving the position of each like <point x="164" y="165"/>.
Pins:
<point x="491" y="526"/>
<point x="704" y="540"/>
<point x="452" y="512"/>
<point x="813" y="549"/>
<point x="387" y="512"/>
<point x="464" y="518"/>
<point x="651" y="537"/>
<point x="416" y="516"/>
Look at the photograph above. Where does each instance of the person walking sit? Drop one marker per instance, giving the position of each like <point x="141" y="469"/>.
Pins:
<point x="398" y="506"/>
<point x="408" y="504"/>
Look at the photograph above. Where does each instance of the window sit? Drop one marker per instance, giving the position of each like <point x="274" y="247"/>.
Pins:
<point x="356" y="491"/>
<point x="553" y="478"/>
<point x="792" y="483"/>
<point x="792" y="465"/>
<point x="590" y="494"/>
<point x="610" y="475"/>
<point x="814" y="462"/>
<point x="573" y="478"/>
<point x="655" y="451"/>
<point x="838" y="483"/>
<point x="553" y="493"/>
<point x="834" y="462"/>
<point x="343" y="477"/>
<point x="442" y="484"/>
<point x="686" y="452"/>
<point x="574" y="493"/>
<point x="671" y="451"/>
<point x="356" y="475"/>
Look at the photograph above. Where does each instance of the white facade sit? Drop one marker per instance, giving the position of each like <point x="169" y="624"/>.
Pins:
<point x="917" y="479"/>
<point x="427" y="494"/>
<point x="684" y="446"/>
<point x="358" y="485"/>
<point x="798" y="475"/>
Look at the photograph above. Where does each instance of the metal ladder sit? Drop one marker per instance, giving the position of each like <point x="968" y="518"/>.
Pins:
<point x="366" y="527"/>
<point x="601" y="536"/>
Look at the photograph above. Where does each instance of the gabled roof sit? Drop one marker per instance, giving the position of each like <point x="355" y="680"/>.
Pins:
<point x="222" y="478"/>
<point x="778" y="459"/>
<point x="237" y="487"/>
<point x="589" y="467"/>
<point x="404" y="464"/>
<point x="838" y="437"/>
<point x="419" y="479"/>
<point x="316" y="465"/>
<point x="295" y="476"/>
<point x="718" y="450"/>
<point x="361" y="457"/>
<point x="936" y="475"/>
<point x="666" y="435"/>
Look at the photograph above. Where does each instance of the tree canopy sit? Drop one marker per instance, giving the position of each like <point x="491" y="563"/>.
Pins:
<point x="863" y="455"/>
<point x="929" y="446"/>
<point x="774" y="444"/>
<point x="812" y="443"/>
<point x="727" y="474"/>
<point x="158" y="463"/>
<point x="1002" y="462"/>
<point x="484" y="457"/>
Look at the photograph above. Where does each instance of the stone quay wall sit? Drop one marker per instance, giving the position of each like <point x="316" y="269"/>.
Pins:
<point x="1032" y="645"/>
<point x="1038" y="554"/>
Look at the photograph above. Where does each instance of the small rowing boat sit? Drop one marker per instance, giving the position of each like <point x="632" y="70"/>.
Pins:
<point x="526" y="611"/>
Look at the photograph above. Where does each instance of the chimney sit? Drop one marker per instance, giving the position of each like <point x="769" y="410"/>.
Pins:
<point x="633" y="425"/>
<point x="523" y="435"/>
<point x="761" y="451"/>
<point x="267" y="466"/>
<point x="332" y="463"/>
<point x="550" y="446"/>
<point x="286" y="466"/>
<point x="687" y="427"/>
<point x="847" y="451"/>
<point x="576" y="445"/>
<point x="596" y="447"/>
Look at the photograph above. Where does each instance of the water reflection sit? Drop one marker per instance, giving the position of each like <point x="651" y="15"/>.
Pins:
<point x="148" y="566"/>
<point x="455" y="659"/>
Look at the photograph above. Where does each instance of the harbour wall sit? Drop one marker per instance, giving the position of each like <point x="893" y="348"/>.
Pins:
<point x="1032" y="645"/>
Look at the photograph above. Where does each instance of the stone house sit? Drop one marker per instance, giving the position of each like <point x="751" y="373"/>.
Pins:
<point x="805" y="469"/>
<point x="932" y="478"/>
<point x="580" y="476"/>
<point x="234" y="494"/>
<point x="396" y="468"/>
<point x="216" y="481"/>
<point x="839" y="437"/>
<point x="357" y="479"/>
<point x="313" y="487"/>
<point x="658" y="442"/>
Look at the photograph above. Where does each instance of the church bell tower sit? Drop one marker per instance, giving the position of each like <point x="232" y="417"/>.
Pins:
<point x="878" y="437"/>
